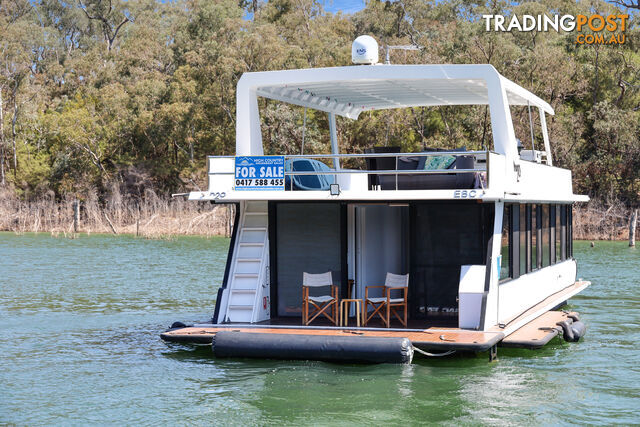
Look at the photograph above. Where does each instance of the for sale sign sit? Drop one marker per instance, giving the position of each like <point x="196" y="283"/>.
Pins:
<point x="259" y="173"/>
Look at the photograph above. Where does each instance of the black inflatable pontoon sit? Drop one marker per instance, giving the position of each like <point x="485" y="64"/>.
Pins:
<point x="312" y="347"/>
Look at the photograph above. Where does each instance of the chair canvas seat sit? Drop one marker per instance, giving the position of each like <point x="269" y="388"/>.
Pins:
<point x="392" y="300"/>
<point x="324" y="298"/>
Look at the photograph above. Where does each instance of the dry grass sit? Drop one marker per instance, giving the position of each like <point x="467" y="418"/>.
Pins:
<point x="594" y="221"/>
<point x="153" y="217"/>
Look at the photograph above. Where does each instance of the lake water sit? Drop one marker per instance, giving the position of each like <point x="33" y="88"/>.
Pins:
<point x="80" y="345"/>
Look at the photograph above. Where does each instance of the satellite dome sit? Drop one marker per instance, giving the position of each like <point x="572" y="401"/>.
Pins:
<point x="364" y="50"/>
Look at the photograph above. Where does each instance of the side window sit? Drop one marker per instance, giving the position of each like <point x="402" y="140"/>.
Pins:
<point x="514" y="242"/>
<point x="534" y="237"/>
<point x="569" y="231"/>
<point x="504" y="242"/>
<point x="546" y="235"/>
<point x="524" y="248"/>
<point x="558" y="231"/>
<point x="563" y="232"/>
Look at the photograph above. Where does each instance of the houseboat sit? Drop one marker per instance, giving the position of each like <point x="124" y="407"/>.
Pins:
<point x="375" y="255"/>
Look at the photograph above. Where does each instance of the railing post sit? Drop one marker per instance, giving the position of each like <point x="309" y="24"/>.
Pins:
<point x="396" y="171"/>
<point x="487" y="167"/>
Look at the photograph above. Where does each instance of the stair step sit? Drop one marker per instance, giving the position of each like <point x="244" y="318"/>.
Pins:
<point x="246" y="275"/>
<point x="257" y="204"/>
<point x="250" y="253"/>
<point x="250" y="244"/>
<point x="256" y="213"/>
<point x="241" y="307"/>
<point x="243" y="291"/>
<point x="253" y="235"/>
<point x="249" y="260"/>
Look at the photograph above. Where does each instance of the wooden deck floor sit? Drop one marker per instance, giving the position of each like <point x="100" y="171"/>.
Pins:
<point x="432" y="338"/>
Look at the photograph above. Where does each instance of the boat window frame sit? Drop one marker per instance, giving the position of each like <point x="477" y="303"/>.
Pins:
<point x="570" y="231"/>
<point x="529" y="238"/>
<point x="521" y="244"/>
<point x="512" y="213"/>
<point x="522" y="240"/>
<point x="545" y="232"/>
<point x="538" y="208"/>
<point x="555" y="233"/>
<point x="563" y="232"/>
<point x="507" y="226"/>
<point x="515" y="241"/>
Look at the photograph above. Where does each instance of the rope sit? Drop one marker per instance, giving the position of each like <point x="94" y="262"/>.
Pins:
<point x="426" y="353"/>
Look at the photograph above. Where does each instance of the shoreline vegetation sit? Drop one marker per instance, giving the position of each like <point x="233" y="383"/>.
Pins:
<point x="155" y="217"/>
<point x="118" y="104"/>
<point x="163" y="217"/>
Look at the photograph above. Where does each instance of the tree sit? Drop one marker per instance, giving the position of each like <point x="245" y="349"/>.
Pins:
<point x="111" y="18"/>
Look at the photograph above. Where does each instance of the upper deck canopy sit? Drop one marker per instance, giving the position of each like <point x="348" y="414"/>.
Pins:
<point x="348" y="91"/>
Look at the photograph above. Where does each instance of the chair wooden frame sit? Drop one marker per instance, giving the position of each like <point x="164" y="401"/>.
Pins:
<point x="319" y="308"/>
<point x="386" y="304"/>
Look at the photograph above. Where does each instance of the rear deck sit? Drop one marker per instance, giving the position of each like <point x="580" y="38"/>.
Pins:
<point x="532" y="329"/>
<point x="429" y="339"/>
<point x="533" y="335"/>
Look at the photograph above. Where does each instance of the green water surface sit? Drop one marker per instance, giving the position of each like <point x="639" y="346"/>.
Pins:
<point x="79" y="343"/>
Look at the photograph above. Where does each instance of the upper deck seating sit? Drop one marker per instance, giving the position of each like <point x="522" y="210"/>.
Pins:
<point x="307" y="182"/>
<point x="379" y="163"/>
<point x="440" y="181"/>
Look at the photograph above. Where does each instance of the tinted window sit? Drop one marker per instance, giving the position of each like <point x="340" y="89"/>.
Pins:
<point x="546" y="236"/>
<point x="523" y="239"/>
<point x="557" y="234"/>
<point x="569" y="231"/>
<point x="534" y="237"/>
<point x="563" y="232"/>
<point x="504" y="242"/>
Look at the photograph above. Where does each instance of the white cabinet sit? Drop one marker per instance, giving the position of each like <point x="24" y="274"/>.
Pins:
<point x="470" y="292"/>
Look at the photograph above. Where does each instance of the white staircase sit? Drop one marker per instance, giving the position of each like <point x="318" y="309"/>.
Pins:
<point x="248" y="277"/>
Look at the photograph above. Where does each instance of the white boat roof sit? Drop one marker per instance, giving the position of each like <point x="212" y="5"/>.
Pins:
<point x="348" y="91"/>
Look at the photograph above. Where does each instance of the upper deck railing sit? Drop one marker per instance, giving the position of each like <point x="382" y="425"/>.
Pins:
<point x="404" y="174"/>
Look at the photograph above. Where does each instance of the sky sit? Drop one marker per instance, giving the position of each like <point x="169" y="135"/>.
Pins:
<point x="333" y="6"/>
<point x="346" y="6"/>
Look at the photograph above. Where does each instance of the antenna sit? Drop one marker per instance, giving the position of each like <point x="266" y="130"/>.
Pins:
<point x="388" y="50"/>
